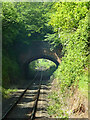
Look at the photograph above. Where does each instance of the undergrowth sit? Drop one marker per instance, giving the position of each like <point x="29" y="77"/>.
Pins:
<point x="7" y="92"/>
<point x="55" y="108"/>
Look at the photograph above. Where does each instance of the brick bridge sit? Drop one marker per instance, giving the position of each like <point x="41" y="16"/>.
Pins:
<point x="37" y="50"/>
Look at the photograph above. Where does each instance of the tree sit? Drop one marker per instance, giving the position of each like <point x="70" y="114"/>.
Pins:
<point x="70" y="19"/>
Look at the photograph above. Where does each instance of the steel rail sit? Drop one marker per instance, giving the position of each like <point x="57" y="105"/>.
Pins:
<point x="13" y="105"/>
<point x="34" y="109"/>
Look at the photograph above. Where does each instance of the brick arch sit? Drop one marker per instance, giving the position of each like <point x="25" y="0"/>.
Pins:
<point x="37" y="50"/>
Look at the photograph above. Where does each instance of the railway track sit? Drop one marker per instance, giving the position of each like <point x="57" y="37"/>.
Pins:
<point x="25" y="100"/>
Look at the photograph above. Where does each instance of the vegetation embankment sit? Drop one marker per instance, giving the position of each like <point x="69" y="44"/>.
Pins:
<point x="58" y="23"/>
<point x="22" y="23"/>
<point x="70" y="21"/>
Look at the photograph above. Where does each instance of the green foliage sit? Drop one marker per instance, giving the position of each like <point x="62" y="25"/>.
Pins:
<point x="70" y="21"/>
<point x="65" y="23"/>
<point x="22" y="22"/>
<point x="75" y="60"/>
<point x="41" y="64"/>
<point x="7" y="92"/>
<point x="83" y="83"/>
<point x="55" y="107"/>
<point x="67" y="15"/>
<point x="10" y="71"/>
<point x="53" y="40"/>
<point x="10" y="20"/>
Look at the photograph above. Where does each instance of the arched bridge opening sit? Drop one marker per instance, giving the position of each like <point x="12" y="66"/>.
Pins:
<point x="38" y="50"/>
<point x="27" y="70"/>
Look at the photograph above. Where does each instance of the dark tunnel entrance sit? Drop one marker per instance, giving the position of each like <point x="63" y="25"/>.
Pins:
<point x="45" y="64"/>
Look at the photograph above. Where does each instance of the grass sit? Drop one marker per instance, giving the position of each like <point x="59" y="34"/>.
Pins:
<point x="7" y="92"/>
<point x="83" y="85"/>
<point x="56" y="106"/>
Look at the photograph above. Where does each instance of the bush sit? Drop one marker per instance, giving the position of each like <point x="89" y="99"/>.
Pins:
<point x="74" y="62"/>
<point x="10" y="71"/>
